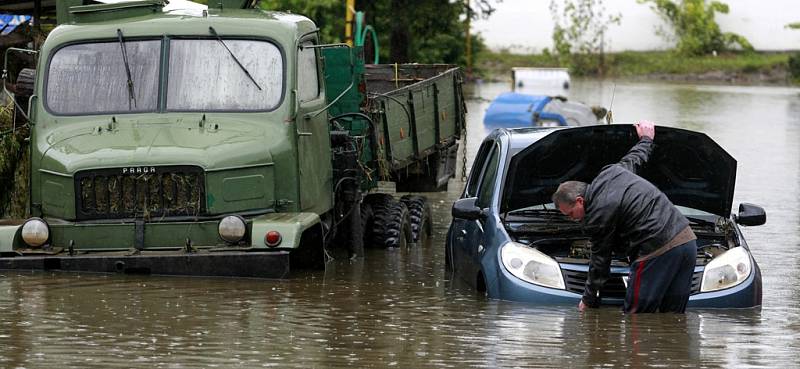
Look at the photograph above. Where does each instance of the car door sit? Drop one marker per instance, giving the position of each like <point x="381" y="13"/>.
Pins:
<point x="469" y="235"/>
<point x="458" y="231"/>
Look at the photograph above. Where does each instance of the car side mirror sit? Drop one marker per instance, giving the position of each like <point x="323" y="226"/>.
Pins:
<point x="466" y="209"/>
<point x="751" y="215"/>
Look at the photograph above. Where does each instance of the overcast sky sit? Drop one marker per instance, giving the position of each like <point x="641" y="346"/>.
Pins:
<point x="527" y="25"/>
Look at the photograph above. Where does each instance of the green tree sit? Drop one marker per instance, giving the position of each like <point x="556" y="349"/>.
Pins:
<point x="420" y="31"/>
<point x="794" y="59"/>
<point x="694" y="28"/>
<point x="327" y="14"/>
<point x="579" y="34"/>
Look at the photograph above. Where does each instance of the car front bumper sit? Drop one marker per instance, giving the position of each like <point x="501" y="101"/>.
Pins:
<point x="744" y="295"/>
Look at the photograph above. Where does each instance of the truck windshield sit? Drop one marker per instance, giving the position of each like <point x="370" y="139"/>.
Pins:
<point x="204" y="76"/>
<point x="91" y="78"/>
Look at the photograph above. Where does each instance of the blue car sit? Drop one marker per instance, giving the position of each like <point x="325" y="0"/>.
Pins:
<point x="516" y="110"/>
<point x="508" y="240"/>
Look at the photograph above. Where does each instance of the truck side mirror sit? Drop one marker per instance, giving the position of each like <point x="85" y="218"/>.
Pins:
<point x="751" y="215"/>
<point x="466" y="209"/>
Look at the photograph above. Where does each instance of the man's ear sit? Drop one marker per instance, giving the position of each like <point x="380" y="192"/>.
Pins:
<point x="579" y="200"/>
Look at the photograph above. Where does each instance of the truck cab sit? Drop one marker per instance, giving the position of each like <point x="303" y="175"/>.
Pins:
<point x="216" y="142"/>
<point x="156" y="131"/>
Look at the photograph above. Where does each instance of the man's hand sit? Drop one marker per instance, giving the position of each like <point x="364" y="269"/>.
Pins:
<point x="581" y="306"/>
<point x="645" y="128"/>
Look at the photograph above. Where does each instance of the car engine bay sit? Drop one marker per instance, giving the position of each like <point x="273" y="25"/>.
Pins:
<point x="550" y="232"/>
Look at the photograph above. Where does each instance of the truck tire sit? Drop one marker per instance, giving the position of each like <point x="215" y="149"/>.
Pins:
<point x="391" y="225"/>
<point x="368" y="205"/>
<point x="356" y="249"/>
<point x="419" y="213"/>
<point x="366" y="224"/>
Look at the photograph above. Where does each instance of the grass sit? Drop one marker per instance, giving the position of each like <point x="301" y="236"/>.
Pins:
<point x="497" y="65"/>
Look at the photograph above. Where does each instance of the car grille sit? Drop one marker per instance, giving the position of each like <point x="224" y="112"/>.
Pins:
<point x="140" y="192"/>
<point x="614" y="286"/>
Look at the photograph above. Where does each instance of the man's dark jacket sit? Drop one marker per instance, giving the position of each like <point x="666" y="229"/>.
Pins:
<point x="626" y="214"/>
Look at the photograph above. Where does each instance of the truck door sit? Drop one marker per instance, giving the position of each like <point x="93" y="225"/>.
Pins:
<point x="313" y="137"/>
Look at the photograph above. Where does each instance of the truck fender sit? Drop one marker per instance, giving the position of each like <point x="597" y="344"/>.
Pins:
<point x="290" y="225"/>
<point x="9" y="236"/>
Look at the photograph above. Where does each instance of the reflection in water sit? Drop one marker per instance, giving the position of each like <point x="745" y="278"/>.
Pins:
<point x="395" y="308"/>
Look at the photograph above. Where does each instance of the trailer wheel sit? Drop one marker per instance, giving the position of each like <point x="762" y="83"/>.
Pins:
<point x="390" y="223"/>
<point x="419" y="212"/>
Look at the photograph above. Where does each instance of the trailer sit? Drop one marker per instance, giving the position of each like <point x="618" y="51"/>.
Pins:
<point x="221" y="142"/>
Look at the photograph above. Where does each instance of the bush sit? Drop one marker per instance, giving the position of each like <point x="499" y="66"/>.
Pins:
<point x="794" y="65"/>
<point x="694" y="27"/>
<point x="13" y="165"/>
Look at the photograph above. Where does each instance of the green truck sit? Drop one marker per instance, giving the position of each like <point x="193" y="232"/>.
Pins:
<point x="223" y="142"/>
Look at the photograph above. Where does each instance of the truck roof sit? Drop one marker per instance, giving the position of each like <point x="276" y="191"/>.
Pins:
<point x="180" y="22"/>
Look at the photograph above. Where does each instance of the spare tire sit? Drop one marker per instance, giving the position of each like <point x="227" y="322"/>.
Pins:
<point x="25" y="80"/>
<point x="23" y="89"/>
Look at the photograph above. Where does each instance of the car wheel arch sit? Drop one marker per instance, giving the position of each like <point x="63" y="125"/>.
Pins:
<point x="480" y="283"/>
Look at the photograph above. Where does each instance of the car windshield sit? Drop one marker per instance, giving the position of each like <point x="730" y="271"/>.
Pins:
<point x="92" y="78"/>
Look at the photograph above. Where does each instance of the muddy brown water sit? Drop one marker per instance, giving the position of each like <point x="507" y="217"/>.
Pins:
<point x="398" y="308"/>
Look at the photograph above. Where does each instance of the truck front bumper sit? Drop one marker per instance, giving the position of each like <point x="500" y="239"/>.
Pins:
<point x="201" y="263"/>
<point x="168" y="248"/>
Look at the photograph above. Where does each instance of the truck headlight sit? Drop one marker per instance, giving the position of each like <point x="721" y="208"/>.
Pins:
<point x="726" y="270"/>
<point x="35" y="232"/>
<point x="531" y="265"/>
<point x="232" y="228"/>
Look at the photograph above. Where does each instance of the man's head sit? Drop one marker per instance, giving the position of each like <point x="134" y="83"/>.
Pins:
<point x="568" y="198"/>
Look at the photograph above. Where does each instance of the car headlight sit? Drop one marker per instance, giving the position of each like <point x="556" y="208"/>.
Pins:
<point x="35" y="232"/>
<point x="531" y="265"/>
<point x="232" y="228"/>
<point x="726" y="270"/>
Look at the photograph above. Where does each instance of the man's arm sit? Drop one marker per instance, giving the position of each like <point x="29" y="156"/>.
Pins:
<point x="638" y="155"/>
<point x="599" y="267"/>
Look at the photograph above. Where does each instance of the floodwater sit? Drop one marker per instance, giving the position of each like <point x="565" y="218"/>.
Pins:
<point x="397" y="308"/>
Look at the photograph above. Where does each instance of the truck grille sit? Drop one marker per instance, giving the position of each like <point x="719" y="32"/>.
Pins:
<point x="140" y="192"/>
<point x="614" y="287"/>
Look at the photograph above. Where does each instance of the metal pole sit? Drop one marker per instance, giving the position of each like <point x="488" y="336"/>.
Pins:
<point x="37" y="21"/>
<point x="469" y="40"/>
<point x="350" y="9"/>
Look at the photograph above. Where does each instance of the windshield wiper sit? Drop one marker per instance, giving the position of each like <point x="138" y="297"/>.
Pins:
<point x="131" y="92"/>
<point x="214" y="33"/>
<point x="543" y="215"/>
<point x="535" y="212"/>
<point x="700" y="221"/>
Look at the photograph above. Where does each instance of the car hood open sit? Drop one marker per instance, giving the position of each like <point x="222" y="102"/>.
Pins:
<point x="689" y="167"/>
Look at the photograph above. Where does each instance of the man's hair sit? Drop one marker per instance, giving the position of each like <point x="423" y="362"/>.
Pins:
<point x="568" y="191"/>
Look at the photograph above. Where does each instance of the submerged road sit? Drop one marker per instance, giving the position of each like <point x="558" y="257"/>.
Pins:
<point x="398" y="308"/>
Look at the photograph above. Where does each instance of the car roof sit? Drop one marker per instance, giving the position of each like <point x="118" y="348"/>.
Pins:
<point x="520" y="138"/>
